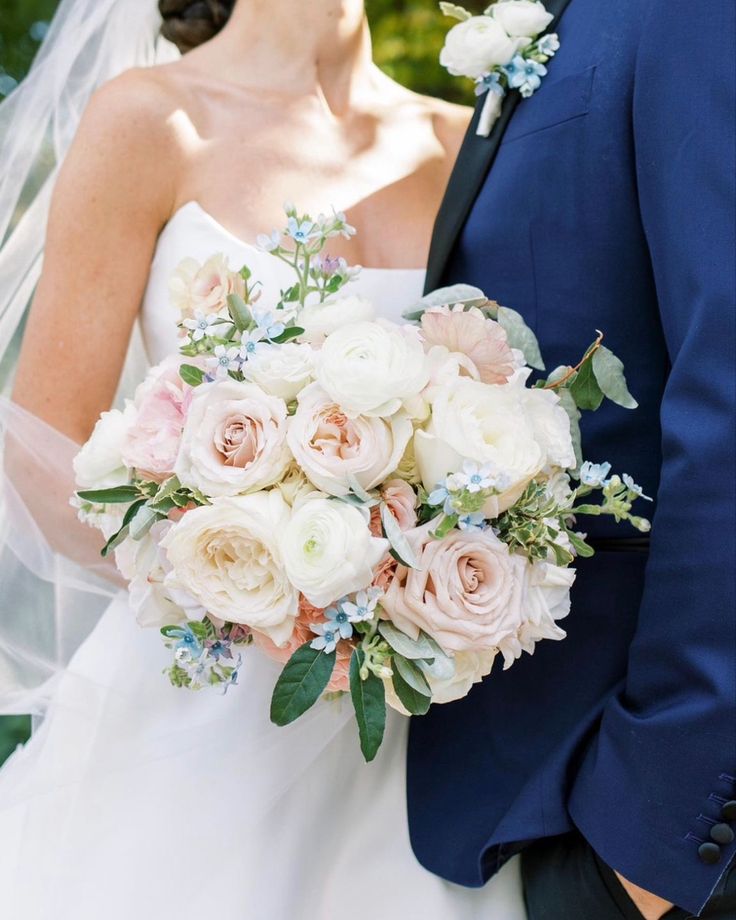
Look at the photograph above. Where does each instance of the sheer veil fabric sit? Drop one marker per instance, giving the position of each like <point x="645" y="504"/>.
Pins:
<point x="51" y="601"/>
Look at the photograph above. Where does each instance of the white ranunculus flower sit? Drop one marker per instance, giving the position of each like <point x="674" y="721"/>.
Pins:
<point x="371" y="368"/>
<point x="329" y="551"/>
<point x="521" y="18"/>
<point x="281" y="370"/>
<point x="330" y="447"/>
<point x="475" y="46"/>
<point x="227" y="557"/>
<point x="551" y="426"/>
<point x="99" y="464"/>
<point x="485" y="423"/>
<point x="470" y="668"/>
<point x="321" y="319"/>
<point x="234" y="439"/>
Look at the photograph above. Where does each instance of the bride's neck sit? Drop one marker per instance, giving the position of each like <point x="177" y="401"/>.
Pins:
<point x="304" y="46"/>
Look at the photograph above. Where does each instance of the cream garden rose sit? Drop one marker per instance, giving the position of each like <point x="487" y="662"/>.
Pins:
<point x="227" y="556"/>
<point x="281" y="370"/>
<point x="371" y="368"/>
<point x="329" y="551"/>
<point x="476" y="45"/>
<point x="196" y="287"/>
<point x="321" y="319"/>
<point x="331" y="448"/>
<point x="521" y="18"/>
<point x="99" y="465"/>
<point x="470" y="669"/>
<point x="234" y="439"/>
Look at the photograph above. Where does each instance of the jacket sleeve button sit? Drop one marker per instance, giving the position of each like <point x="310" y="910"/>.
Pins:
<point x="728" y="812"/>
<point x="722" y="834"/>
<point x="710" y="853"/>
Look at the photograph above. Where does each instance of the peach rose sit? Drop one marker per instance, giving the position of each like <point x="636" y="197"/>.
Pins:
<point x="204" y="287"/>
<point x="402" y="502"/>
<point x="470" y="333"/>
<point x="302" y="634"/>
<point x="467" y="593"/>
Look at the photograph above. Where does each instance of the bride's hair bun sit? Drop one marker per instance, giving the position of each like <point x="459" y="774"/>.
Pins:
<point x="188" y="23"/>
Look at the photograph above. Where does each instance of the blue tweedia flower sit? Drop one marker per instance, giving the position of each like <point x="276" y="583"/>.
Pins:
<point x="217" y="649"/>
<point x="186" y="641"/>
<point x="252" y="342"/>
<point x="200" y="325"/>
<point x="472" y="522"/>
<point x="633" y="487"/>
<point x="301" y="232"/>
<point x="269" y="243"/>
<point x="327" y="637"/>
<point x="532" y="78"/>
<point x="339" y="621"/>
<point x="474" y="477"/>
<point x="272" y="328"/>
<point x="514" y="68"/>
<point x="489" y="82"/>
<point x="364" y="607"/>
<point x="441" y="495"/>
<point x="549" y="45"/>
<point x="224" y="359"/>
<point x="594" y="474"/>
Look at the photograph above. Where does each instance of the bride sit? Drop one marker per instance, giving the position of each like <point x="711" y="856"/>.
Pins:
<point x="134" y="799"/>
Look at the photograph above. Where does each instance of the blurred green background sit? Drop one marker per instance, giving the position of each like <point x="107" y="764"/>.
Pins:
<point x="407" y="34"/>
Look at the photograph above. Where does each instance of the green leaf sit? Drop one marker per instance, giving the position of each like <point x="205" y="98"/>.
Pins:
<point x="143" y="521"/>
<point x="443" y="297"/>
<point x="358" y="490"/>
<point x="369" y="700"/>
<point x="580" y="546"/>
<point x="132" y="511"/>
<point x="414" y="702"/>
<point x="191" y="375"/>
<point x="521" y="336"/>
<point x="404" y="645"/>
<point x="301" y="683"/>
<point x="411" y="674"/>
<point x="567" y="401"/>
<point x="239" y="312"/>
<point x="585" y="389"/>
<point x="119" y="495"/>
<point x="609" y="372"/>
<point x="454" y="11"/>
<point x="288" y="334"/>
<point x="291" y="294"/>
<point x="115" y="540"/>
<point x="401" y="549"/>
<point x="594" y="510"/>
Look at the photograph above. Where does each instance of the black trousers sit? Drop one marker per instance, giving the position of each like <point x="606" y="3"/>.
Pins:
<point x="565" y="880"/>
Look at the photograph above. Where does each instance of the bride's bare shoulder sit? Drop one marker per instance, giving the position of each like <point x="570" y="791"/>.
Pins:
<point x="449" y="120"/>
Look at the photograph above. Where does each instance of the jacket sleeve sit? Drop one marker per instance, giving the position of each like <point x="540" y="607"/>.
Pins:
<point x="655" y="794"/>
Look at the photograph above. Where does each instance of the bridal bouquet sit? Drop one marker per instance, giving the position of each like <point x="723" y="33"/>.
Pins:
<point x="383" y="508"/>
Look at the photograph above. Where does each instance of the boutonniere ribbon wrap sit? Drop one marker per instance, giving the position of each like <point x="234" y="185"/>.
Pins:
<point x="503" y="49"/>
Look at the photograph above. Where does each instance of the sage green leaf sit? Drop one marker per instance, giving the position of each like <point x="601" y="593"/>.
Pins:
<point x="143" y="521"/>
<point x="443" y="297"/>
<point x="567" y="401"/>
<point x="288" y="334"/>
<point x="191" y="375"/>
<point x="406" y="646"/>
<point x="414" y="702"/>
<point x="585" y="389"/>
<point x="401" y="549"/>
<point x="119" y="495"/>
<point x="369" y="700"/>
<point x="358" y="489"/>
<point x="411" y="674"/>
<point x="454" y="11"/>
<point x="115" y="540"/>
<point x="239" y="312"/>
<point x="521" y="336"/>
<point x="609" y="372"/>
<point x="301" y="683"/>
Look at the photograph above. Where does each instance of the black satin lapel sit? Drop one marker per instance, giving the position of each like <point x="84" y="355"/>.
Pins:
<point x="471" y="169"/>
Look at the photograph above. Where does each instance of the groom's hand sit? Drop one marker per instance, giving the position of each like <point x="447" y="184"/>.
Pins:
<point x="650" y="906"/>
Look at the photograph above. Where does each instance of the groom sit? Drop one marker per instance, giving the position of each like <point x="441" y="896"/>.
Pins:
<point x="607" y="201"/>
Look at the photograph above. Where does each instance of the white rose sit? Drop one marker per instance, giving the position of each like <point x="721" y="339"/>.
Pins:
<point x="521" y="18"/>
<point x="486" y="423"/>
<point x="470" y="668"/>
<point x="281" y="370"/>
<point x="226" y="556"/>
<point x="330" y="447"/>
<point x="204" y="287"/>
<point x="551" y="425"/>
<point x="475" y="46"/>
<point x="99" y="464"/>
<point x="294" y="486"/>
<point x="234" y="439"/>
<point x="328" y="550"/>
<point x="370" y="368"/>
<point x="321" y="319"/>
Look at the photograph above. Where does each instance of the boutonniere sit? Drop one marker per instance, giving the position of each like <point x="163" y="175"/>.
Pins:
<point x="501" y="50"/>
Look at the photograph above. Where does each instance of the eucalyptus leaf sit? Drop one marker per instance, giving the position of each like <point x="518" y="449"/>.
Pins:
<point x="191" y="374"/>
<point x="585" y="388"/>
<point x="119" y="495"/>
<point x="443" y="297"/>
<point x="301" y="683"/>
<point x="358" y="490"/>
<point x="441" y="668"/>
<point x="404" y="645"/>
<point x="416" y="703"/>
<point x="401" y="548"/>
<point x="454" y="11"/>
<point x="567" y="401"/>
<point x="521" y="336"/>
<point x="609" y="372"/>
<point x="143" y="521"/>
<point x="115" y="540"/>
<point x="239" y="312"/>
<point x="369" y="700"/>
<point x="411" y="674"/>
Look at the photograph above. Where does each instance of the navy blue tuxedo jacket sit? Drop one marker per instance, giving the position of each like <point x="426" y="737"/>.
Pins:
<point x="610" y="204"/>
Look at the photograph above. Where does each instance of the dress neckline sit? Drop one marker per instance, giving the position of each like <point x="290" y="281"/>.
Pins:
<point x="195" y="207"/>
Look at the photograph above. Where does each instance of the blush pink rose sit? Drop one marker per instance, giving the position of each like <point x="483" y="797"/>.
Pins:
<point x="402" y="502"/>
<point x="196" y="287"/>
<point x="467" y="592"/>
<point x="470" y="333"/>
<point x="161" y="402"/>
<point x="308" y="614"/>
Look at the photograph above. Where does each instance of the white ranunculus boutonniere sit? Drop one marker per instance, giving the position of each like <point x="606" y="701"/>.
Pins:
<point x="502" y="50"/>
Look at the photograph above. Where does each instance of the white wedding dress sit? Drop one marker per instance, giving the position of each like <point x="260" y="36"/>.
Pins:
<point x="138" y="801"/>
